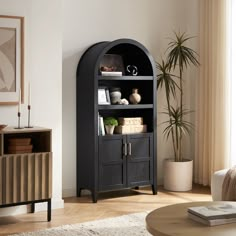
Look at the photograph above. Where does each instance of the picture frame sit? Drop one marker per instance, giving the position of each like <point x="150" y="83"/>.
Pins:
<point x="12" y="60"/>
<point x="103" y="96"/>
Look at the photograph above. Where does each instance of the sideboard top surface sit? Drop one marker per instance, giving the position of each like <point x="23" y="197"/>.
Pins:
<point x="10" y="129"/>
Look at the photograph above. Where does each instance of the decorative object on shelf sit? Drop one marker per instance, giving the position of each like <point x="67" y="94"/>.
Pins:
<point x="19" y="145"/>
<point x="177" y="125"/>
<point x="130" y="129"/>
<point x="123" y="101"/>
<point x="103" y="96"/>
<point x="132" y="70"/>
<point x="29" y="106"/>
<point x="115" y="95"/>
<point x="110" y="123"/>
<point x="112" y="65"/>
<point x="2" y="126"/>
<point x="130" y="120"/>
<point x="19" y="111"/>
<point x="130" y="125"/>
<point x="135" y="97"/>
<point x="12" y="59"/>
<point x="111" y="73"/>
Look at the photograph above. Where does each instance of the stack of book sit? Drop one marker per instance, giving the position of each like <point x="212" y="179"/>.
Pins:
<point x="19" y="145"/>
<point x="212" y="215"/>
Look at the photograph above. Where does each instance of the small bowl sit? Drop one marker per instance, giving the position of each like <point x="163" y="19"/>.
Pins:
<point x="2" y="126"/>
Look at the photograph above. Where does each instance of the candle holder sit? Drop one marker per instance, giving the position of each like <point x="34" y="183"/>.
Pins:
<point x="18" y="127"/>
<point x="29" y="126"/>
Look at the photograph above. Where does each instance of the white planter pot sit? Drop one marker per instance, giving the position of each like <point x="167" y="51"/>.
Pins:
<point x="178" y="176"/>
<point x="109" y="129"/>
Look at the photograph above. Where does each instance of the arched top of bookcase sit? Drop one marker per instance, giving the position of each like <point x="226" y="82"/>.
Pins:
<point x="129" y="51"/>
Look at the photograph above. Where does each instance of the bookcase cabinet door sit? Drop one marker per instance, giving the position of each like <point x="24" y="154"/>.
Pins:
<point x="112" y="163"/>
<point x="139" y="160"/>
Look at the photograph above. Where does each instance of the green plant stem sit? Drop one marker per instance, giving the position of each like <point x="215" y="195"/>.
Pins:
<point x="172" y="131"/>
<point x="181" y="109"/>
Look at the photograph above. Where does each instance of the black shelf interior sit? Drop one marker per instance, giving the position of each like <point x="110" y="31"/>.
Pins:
<point x="132" y="55"/>
<point x="147" y="115"/>
<point x="126" y="86"/>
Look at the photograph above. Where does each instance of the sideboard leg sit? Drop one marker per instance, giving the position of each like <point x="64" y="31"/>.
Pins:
<point x="49" y="210"/>
<point x="32" y="207"/>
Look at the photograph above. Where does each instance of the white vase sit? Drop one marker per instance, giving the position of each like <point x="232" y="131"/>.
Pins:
<point x="109" y="129"/>
<point x="178" y="176"/>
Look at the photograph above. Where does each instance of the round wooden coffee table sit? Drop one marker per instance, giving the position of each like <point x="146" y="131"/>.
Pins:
<point x="173" y="220"/>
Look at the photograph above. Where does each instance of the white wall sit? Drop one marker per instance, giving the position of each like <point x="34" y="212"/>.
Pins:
<point x="43" y="68"/>
<point x="87" y="22"/>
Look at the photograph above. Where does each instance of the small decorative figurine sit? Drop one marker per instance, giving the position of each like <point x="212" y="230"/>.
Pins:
<point x="132" y="70"/>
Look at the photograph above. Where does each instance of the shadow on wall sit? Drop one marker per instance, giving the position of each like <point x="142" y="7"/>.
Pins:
<point x="69" y="67"/>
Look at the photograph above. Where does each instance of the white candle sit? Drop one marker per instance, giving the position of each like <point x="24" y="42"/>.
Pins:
<point x="19" y="104"/>
<point x="29" y="95"/>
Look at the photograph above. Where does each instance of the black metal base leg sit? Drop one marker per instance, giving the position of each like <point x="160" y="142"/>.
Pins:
<point x="32" y="207"/>
<point x="49" y="210"/>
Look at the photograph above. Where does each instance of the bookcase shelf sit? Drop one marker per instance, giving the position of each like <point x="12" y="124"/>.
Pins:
<point x="122" y="78"/>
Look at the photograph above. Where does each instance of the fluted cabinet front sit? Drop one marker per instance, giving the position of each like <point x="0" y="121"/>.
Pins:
<point x="25" y="177"/>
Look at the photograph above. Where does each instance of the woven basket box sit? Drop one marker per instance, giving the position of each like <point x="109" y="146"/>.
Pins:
<point x="130" y="121"/>
<point x="130" y="129"/>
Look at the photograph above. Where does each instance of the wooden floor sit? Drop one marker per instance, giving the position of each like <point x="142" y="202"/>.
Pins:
<point x="109" y="205"/>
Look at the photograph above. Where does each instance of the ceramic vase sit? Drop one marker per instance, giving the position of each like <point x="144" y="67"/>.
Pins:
<point x="115" y="95"/>
<point x="135" y="97"/>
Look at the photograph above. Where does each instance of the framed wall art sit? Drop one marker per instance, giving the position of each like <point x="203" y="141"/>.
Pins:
<point x="11" y="59"/>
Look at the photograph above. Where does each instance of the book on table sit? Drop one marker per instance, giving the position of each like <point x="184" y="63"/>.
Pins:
<point x="215" y="214"/>
<point x="213" y="222"/>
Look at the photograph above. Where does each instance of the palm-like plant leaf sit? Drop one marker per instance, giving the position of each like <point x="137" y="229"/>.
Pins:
<point x="166" y="78"/>
<point x="180" y="54"/>
<point x="176" y="123"/>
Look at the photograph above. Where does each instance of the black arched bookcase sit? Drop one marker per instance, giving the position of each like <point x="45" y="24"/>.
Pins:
<point x="118" y="161"/>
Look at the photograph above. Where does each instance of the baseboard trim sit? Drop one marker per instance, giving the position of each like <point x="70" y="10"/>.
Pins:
<point x="71" y="192"/>
<point x="42" y="206"/>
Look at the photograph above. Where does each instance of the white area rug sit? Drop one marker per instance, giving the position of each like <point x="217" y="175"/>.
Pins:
<point x="127" y="225"/>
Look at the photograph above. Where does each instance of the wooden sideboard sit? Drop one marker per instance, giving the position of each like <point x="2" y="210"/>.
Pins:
<point x="26" y="176"/>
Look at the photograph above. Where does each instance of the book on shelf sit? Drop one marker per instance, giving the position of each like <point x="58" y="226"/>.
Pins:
<point x="101" y="129"/>
<point x="212" y="222"/>
<point x="214" y="211"/>
<point x="111" y="73"/>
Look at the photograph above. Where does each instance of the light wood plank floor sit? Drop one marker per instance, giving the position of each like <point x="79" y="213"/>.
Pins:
<point x="109" y="205"/>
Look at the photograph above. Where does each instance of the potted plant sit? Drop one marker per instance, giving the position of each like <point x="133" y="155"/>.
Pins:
<point x="177" y="171"/>
<point x="110" y="123"/>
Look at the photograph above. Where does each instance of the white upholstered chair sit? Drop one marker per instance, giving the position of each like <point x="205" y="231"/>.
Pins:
<point x="216" y="184"/>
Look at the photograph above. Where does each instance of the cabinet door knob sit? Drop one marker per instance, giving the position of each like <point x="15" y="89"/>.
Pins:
<point x="125" y="149"/>
<point x="129" y="149"/>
